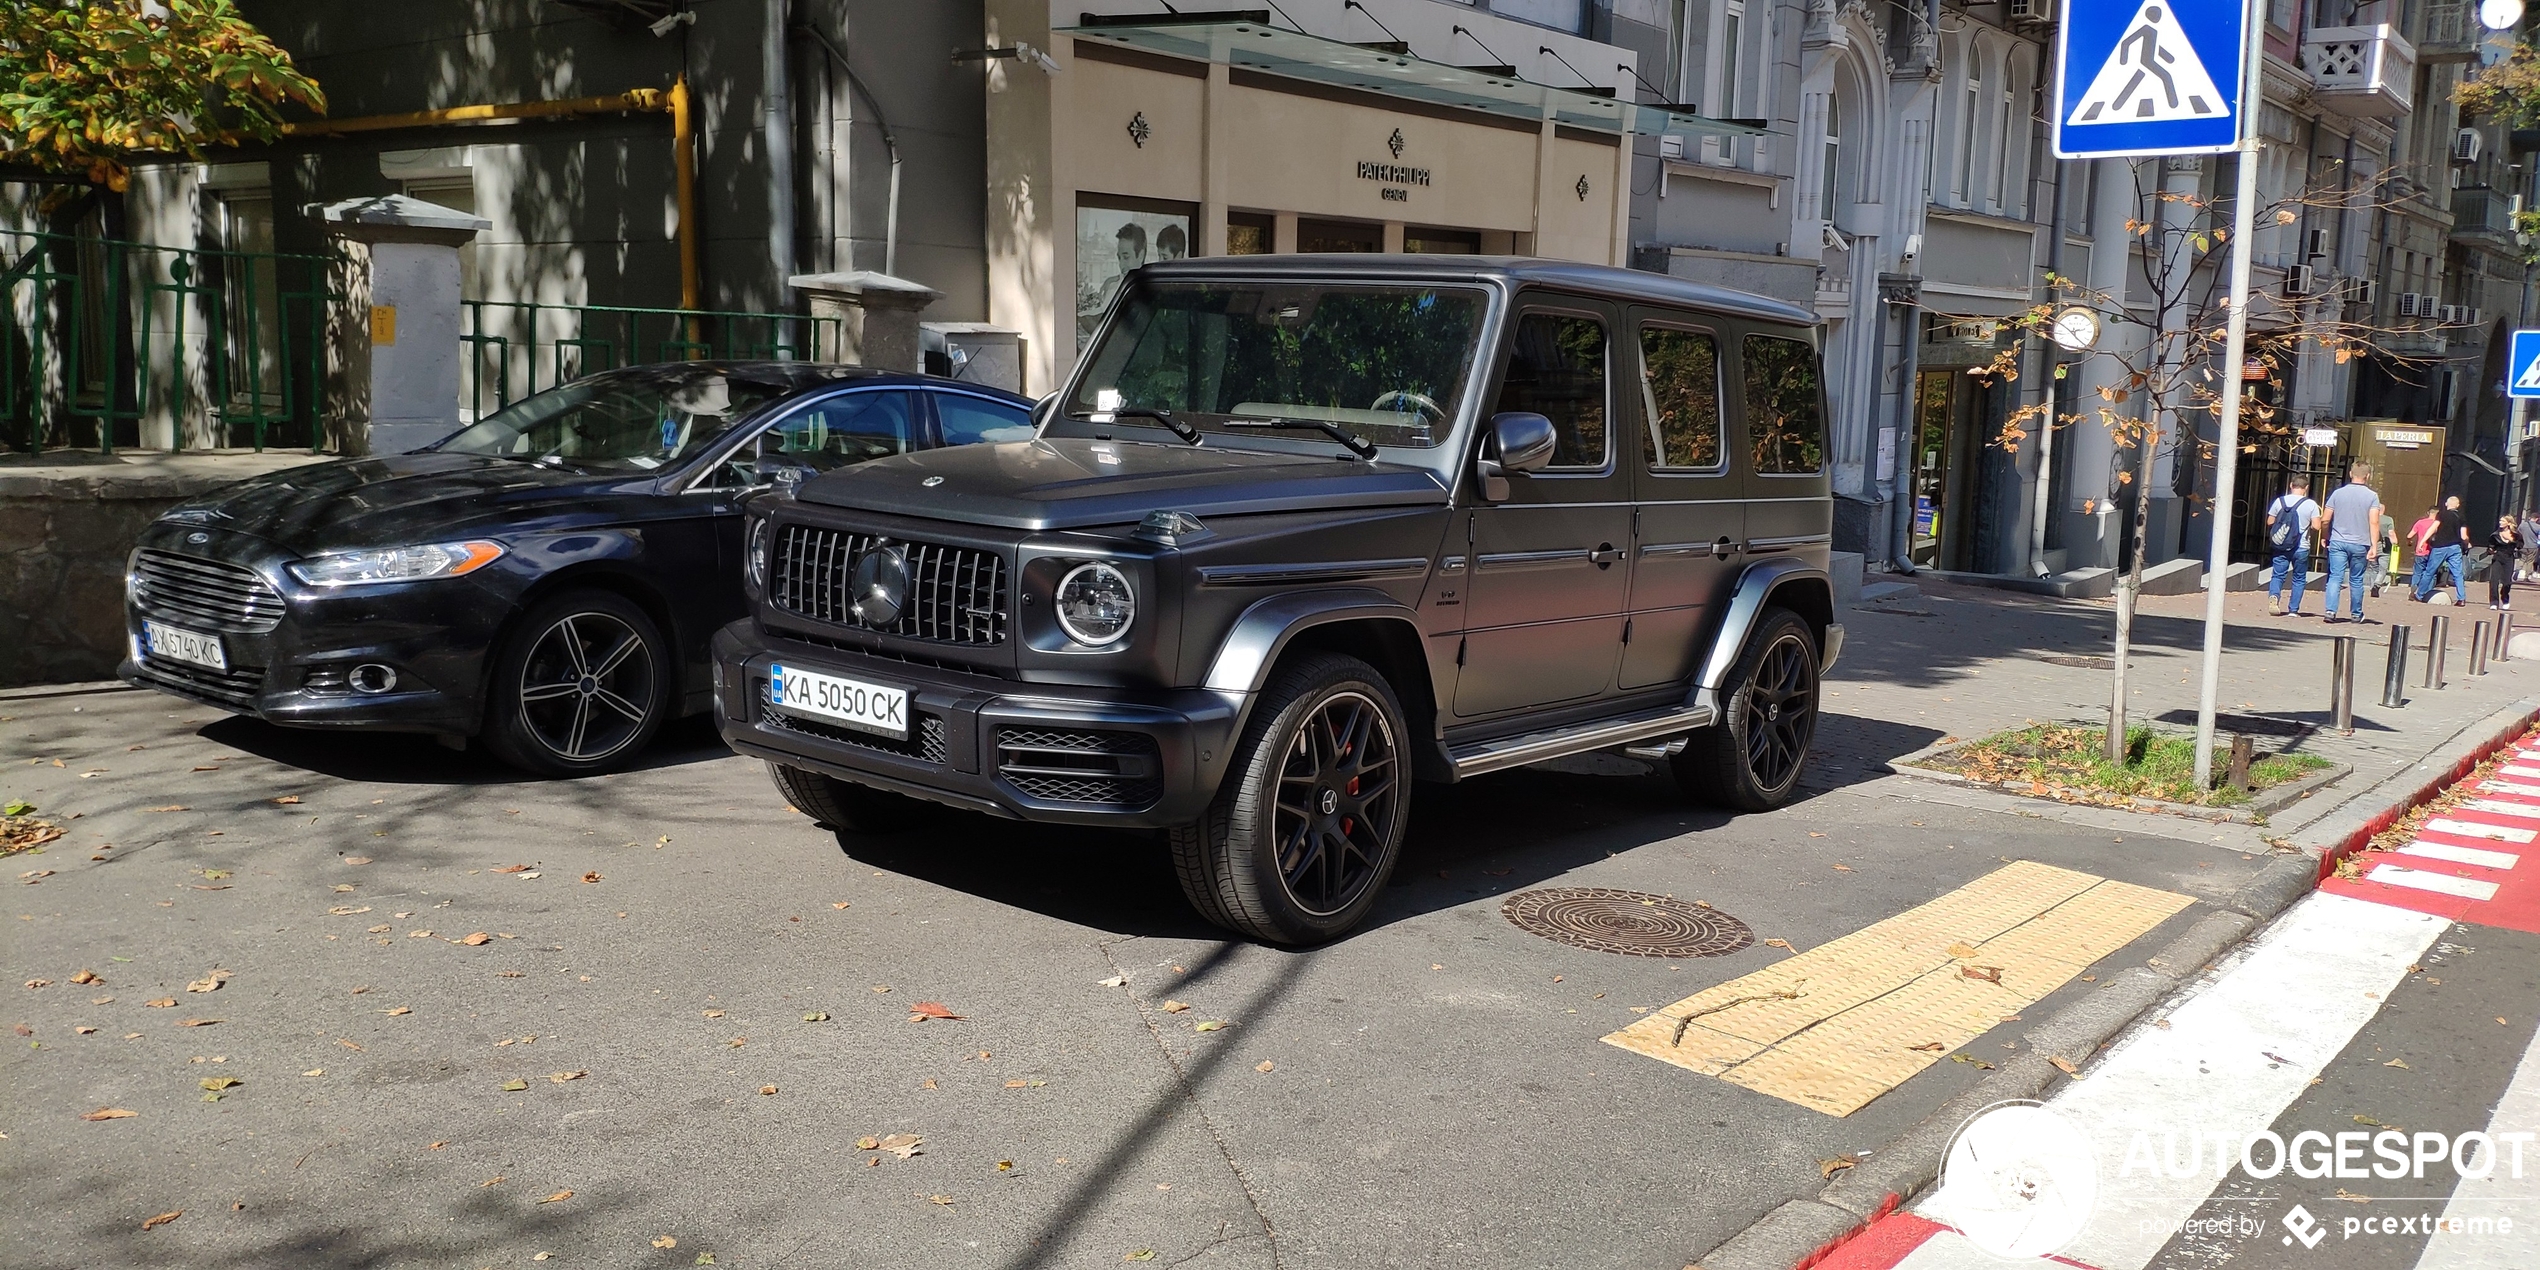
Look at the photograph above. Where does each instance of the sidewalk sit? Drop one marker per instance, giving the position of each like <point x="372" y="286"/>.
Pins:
<point x="1959" y="661"/>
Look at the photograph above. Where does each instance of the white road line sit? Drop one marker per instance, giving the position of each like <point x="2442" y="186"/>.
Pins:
<point x="2499" y="1195"/>
<point x="2233" y="1058"/>
<point x="2493" y="786"/>
<point x="2439" y="883"/>
<point x="2462" y="855"/>
<point x="2520" y="811"/>
<point x="2472" y="829"/>
<point x="2524" y="770"/>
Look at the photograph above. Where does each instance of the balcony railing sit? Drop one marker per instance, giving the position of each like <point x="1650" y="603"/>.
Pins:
<point x="2482" y="212"/>
<point x="2451" y="34"/>
<point x="2364" y="71"/>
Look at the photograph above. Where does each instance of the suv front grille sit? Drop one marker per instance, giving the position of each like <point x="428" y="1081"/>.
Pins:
<point x="956" y="595"/>
<point x="225" y="597"/>
<point x="928" y="742"/>
<point x="1064" y="765"/>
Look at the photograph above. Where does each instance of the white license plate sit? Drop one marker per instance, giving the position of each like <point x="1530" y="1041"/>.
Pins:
<point x="177" y="644"/>
<point x="868" y="707"/>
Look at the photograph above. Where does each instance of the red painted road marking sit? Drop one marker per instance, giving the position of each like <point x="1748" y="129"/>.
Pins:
<point x="2455" y="868"/>
<point x="1887" y="1241"/>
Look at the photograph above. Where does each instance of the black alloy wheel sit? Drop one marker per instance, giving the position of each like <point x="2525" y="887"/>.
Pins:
<point x="1338" y="784"/>
<point x="582" y="684"/>
<point x="1297" y="847"/>
<point x="1751" y="759"/>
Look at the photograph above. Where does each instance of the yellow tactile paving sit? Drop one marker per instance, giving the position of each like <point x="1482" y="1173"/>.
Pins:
<point x="1838" y="1025"/>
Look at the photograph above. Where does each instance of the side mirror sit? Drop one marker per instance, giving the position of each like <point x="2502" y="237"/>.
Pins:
<point x="780" y="474"/>
<point x="1514" y="441"/>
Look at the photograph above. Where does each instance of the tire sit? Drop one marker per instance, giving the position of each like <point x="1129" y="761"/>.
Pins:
<point x="1307" y="869"/>
<point x="844" y="806"/>
<point x="580" y="686"/>
<point x="1752" y="758"/>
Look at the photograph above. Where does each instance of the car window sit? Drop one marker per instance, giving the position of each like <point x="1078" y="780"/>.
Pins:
<point x="1785" y="414"/>
<point x="965" y="419"/>
<point x="826" y="434"/>
<point x="1680" y="388"/>
<point x="1556" y="369"/>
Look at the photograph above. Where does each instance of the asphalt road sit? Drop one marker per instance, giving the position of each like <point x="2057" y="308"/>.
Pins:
<point x="1431" y="1091"/>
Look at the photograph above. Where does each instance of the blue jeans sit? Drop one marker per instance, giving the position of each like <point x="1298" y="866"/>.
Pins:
<point x="2421" y="573"/>
<point x="2346" y="565"/>
<point x="2435" y="560"/>
<point x="2299" y="562"/>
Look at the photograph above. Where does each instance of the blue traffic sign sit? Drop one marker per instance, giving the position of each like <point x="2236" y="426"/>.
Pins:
<point x="2523" y="368"/>
<point x="2149" y="77"/>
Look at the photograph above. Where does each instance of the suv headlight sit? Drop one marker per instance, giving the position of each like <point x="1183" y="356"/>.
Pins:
<point x="1094" y="604"/>
<point x="395" y="564"/>
<point x="754" y="554"/>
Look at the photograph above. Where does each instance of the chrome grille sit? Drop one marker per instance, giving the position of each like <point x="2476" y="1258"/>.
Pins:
<point x="956" y="595"/>
<point x="224" y="597"/>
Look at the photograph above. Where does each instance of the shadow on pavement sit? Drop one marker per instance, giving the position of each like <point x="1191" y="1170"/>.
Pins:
<point x="407" y="758"/>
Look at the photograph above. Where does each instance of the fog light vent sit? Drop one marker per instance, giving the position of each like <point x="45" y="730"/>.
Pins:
<point x="371" y="677"/>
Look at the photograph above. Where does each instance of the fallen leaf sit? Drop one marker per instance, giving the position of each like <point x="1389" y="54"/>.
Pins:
<point x="931" y="1010"/>
<point x="665" y="1242"/>
<point x="1208" y="1025"/>
<point x="562" y="1077"/>
<point x="2400" y="1063"/>
<point x="196" y="1022"/>
<point x="1933" y="1047"/>
<point x="1005" y="1166"/>
<point x="509" y="868"/>
<point x="1962" y="951"/>
<point x="2065" y="1065"/>
<point x="928" y="1083"/>
<point x="1014" y="1084"/>
<point x="1142" y="1254"/>
<point x="418" y="934"/>
<point x="903" y="1145"/>
<point x="170" y="807"/>
<point x="160" y="1004"/>
<point x="402" y="1009"/>
<point x="46" y="983"/>
<point x="346" y="910"/>
<point x="557" y="1198"/>
<point x="867" y="1144"/>
<point x="944" y="1200"/>
<point x="2370" y="1121"/>
<point x="1843" y="868"/>
<point x="839" y="904"/>
<point x="377" y="930"/>
<point x="767" y="1089"/>
<point x="495" y="1180"/>
<point x="527" y="876"/>
<point x="100" y="1000"/>
<point x="1175" y="1007"/>
<point x="1990" y="974"/>
<point x="1970" y="1058"/>
<point x="2351" y="1197"/>
<point x="714" y="1014"/>
<point x="591" y="876"/>
<point x="1264" y="1066"/>
<point x="85" y="1031"/>
<point x="357" y="859"/>
<point x="1828" y="1168"/>
<point x="881" y="987"/>
<point x="705" y="1258"/>
<point x="514" y="1085"/>
<point x="816" y="1016"/>
<point x="1116" y="981"/>
<point x="1773" y="943"/>
<point x="288" y="800"/>
<point x="163" y="1218"/>
<point x="348" y="1045"/>
<point x="110" y="1113"/>
<point x="314" y="1071"/>
<point x="477" y="938"/>
<point x="219" y="1083"/>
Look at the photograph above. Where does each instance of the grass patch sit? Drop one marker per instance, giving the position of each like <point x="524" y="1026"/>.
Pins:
<point x="2060" y="759"/>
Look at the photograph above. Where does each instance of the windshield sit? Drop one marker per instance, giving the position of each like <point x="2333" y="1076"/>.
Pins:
<point x="628" y="422"/>
<point x="1389" y="363"/>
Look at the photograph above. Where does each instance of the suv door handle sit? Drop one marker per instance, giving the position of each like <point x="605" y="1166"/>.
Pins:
<point x="1723" y="549"/>
<point x="1605" y="555"/>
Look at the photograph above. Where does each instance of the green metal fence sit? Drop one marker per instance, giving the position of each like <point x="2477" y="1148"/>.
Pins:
<point x="515" y="348"/>
<point x="106" y="343"/>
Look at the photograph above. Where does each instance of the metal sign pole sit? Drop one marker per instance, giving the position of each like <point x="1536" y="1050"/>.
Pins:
<point x="2244" y="213"/>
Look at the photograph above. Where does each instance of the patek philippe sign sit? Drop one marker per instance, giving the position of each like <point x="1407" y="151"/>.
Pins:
<point x="1400" y="177"/>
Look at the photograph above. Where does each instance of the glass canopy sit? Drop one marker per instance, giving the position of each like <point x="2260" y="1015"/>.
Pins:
<point x="1380" y="69"/>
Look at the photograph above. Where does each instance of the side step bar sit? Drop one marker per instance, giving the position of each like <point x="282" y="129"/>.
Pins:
<point x="1535" y="747"/>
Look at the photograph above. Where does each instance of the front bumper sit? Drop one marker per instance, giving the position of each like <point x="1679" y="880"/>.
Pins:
<point x="1064" y="754"/>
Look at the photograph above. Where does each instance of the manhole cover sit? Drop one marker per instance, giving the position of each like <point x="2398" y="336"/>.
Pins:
<point x="1634" y="923"/>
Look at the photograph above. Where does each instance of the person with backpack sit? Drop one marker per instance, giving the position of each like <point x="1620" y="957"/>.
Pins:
<point x="2289" y="520"/>
<point x="2349" y="523"/>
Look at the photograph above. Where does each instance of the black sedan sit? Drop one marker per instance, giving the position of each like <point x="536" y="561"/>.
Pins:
<point x="545" y="580"/>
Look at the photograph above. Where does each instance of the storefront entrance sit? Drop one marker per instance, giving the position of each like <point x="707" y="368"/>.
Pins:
<point x="1952" y="477"/>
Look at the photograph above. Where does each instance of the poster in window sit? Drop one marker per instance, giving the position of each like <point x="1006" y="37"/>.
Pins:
<point x="1111" y="241"/>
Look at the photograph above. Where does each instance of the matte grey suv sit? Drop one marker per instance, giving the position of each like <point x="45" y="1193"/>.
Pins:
<point x="1299" y="532"/>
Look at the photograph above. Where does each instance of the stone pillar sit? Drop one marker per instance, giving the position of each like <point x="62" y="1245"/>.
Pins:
<point x="410" y="342"/>
<point x="876" y="315"/>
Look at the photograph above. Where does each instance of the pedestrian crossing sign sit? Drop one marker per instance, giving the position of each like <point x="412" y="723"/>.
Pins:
<point x="2524" y="380"/>
<point x="2149" y="77"/>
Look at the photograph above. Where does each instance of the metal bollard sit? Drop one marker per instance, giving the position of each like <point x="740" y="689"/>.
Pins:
<point x="2478" y="648"/>
<point x="2438" y="640"/>
<point x="2341" y="683"/>
<point x="2394" y="680"/>
<point x="2504" y="636"/>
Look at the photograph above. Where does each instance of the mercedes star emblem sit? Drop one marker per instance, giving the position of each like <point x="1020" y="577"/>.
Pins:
<point x="880" y="586"/>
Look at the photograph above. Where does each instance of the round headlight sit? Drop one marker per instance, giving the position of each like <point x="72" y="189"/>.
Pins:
<point x="1094" y="604"/>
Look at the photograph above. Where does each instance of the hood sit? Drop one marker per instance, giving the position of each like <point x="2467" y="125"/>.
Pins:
<point x="1075" y="482"/>
<point x="385" y="501"/>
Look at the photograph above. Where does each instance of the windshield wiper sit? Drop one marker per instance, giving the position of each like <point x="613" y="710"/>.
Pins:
<point x="1165" y="417"/>
<point x="1358" y="445"/>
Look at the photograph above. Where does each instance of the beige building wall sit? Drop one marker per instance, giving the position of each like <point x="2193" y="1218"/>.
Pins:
<point x="1223" y="141"/>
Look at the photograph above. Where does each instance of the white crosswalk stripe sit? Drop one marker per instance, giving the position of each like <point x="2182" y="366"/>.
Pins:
<point x="2461" y="855"/>
<point x="2439" y="883"/>
<point x="2472" y="829"/>
<point x="2523" y="770"/>
<point x="2494" y="786"/>
<point x="2233" y="1058"/>
<point x="2519" y="811"/>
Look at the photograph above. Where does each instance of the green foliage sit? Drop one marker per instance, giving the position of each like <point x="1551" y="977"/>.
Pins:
<point x="91" y="83"/>
<point x="2509" y="90"/>
<point x="2063" y="759"/>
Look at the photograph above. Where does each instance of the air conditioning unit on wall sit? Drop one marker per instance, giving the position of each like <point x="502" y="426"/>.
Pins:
<point x="2361" y="291"/>
<point x="2316" y="244"/>
<point x="2029" y="11"/>
<point x="2466" y="145"/>
<point x="2298" y="280"/>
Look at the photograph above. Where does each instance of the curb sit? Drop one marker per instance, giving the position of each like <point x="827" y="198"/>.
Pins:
<point x="1801" y="1232"/>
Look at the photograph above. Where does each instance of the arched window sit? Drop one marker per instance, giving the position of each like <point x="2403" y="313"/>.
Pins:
<point x="1833" y="195"/>
<point x="2003" y="142"/>
<point x="1971" y="118"/>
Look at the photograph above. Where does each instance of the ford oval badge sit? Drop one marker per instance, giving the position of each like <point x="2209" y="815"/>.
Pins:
<point x="932" y="481"/>
<point x="198" y="539"/>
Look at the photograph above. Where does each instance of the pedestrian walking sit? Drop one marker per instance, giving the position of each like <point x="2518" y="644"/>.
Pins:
<point x="2289" y="520"/>
<point x="2450" y="543"/>
<point x="2530" y="544"/>
<point x="2504" y="553"/>
<point x="2419" y="534"/>
<point x="2383" y="562"/>
<point x="2349" y="524"/>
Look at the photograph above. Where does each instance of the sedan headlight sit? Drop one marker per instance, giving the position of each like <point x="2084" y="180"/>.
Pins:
<point x="1094" y="604"/>
<point x="396" y="564"/>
